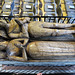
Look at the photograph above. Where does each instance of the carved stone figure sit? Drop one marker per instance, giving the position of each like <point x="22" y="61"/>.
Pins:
<point x="42" y="29"/>
<point x="16" y="51"/>
<point x="17" y="33"/>
<point x="3" y="46"/>
<point x="51" y="50"/>
<point x="3" y="42"/>
<point x="16" y="28"/>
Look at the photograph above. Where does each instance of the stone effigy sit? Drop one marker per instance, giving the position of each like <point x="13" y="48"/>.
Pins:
<point x="17" y="32"/>
<point x="43" y="29"/>
<point x="51" y="50"/>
